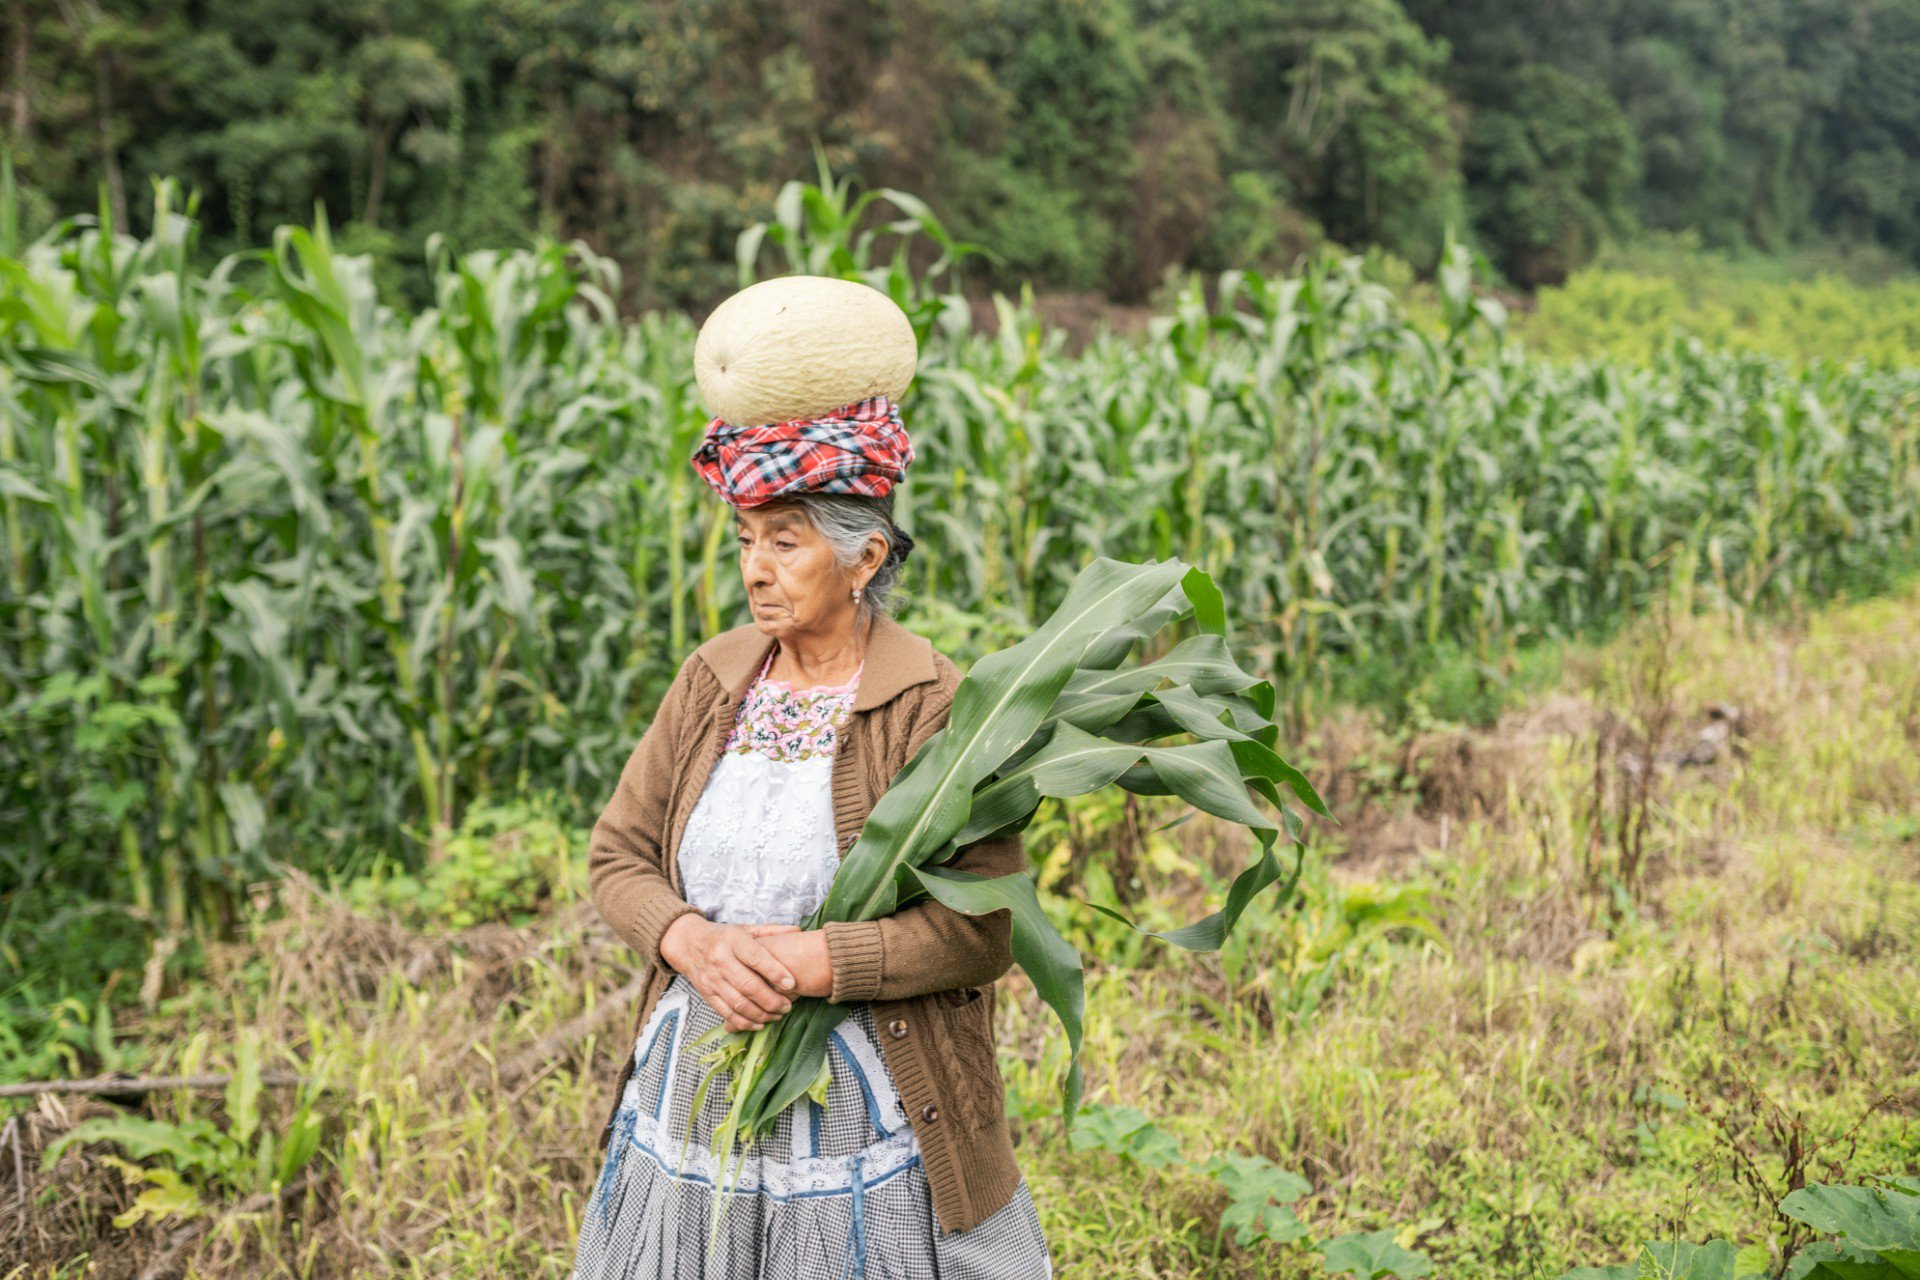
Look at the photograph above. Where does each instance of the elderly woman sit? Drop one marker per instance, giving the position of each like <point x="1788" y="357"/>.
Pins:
<point x="729" y="821"/>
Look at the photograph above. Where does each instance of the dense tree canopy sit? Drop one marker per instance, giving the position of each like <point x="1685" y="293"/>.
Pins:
<point x="1094" y="144"/>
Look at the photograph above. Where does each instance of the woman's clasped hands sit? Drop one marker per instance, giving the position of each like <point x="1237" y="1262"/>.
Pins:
<point x="748" y="973"/>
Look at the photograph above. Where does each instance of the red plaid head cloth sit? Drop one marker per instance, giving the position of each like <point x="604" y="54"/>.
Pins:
<point x="859" y="448"/>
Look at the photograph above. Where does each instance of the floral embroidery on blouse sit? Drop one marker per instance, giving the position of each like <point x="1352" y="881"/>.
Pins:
<point x="786" y="724"/>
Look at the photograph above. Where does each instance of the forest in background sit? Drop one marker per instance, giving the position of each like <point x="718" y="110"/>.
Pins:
<point x="1096" y="145"/>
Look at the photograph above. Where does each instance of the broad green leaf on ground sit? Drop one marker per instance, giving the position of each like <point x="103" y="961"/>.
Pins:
<point x="1887" y="1222"/>
<point x="1833" y="1260"/>
<point x="1127" y="1132"/>
<point x="1261" y="1194"/>
<point x="1683" y="1260"/>
<point x="1680" y="1260"/>
<point x="1371" y="1255"/>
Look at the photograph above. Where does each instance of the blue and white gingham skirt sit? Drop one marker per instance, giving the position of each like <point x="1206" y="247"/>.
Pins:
<point x="834" y="1193"/>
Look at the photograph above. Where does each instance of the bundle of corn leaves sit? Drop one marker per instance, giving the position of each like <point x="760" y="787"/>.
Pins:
<point x="1054" y="715"/>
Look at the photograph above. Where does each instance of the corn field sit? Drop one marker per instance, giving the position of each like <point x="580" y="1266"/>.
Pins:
<point x="290" y="576"/>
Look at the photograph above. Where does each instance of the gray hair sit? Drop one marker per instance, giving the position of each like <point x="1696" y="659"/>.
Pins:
<point x="847" y="520"/>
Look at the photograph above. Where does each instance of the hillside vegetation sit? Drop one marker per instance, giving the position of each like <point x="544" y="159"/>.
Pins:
<point x="1097" y="145"/>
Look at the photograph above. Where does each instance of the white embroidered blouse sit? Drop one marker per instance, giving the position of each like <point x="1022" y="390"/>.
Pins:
<point x="759" y="846"/>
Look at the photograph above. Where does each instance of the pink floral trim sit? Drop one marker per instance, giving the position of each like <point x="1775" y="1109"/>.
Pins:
<point x="788" y="724"/>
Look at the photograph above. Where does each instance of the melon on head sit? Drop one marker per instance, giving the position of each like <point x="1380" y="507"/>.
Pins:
<point x="797" y="346"/>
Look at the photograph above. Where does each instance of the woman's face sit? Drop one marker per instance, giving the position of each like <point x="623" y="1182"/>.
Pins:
<point x="793" y="581"/>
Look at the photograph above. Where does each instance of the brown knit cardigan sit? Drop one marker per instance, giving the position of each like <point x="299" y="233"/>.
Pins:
<point x="927" y="970"/>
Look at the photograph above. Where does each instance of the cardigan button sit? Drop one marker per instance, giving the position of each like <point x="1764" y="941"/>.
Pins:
<point x="929" y="1112"/>
<point x="897" y="1028"/>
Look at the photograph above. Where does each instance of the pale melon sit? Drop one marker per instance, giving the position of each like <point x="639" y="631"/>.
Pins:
<point x="797" y="346"/>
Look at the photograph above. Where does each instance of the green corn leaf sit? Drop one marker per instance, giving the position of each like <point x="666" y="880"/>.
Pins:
<point x="995" y="710"/>
<point x="1042" y="954"/>
<point x="1094" y="699"/>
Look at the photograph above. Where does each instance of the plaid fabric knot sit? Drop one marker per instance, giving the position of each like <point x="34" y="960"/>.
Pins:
<point x="860" y="448"/>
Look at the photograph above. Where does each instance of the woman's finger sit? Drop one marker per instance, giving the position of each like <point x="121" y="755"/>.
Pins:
<point x="736" y="1013"/>
<point x="754" y="998"/>
<point x="768" y="930"/>
<point x="760" y="999"/>
<point x="768" y="965"/>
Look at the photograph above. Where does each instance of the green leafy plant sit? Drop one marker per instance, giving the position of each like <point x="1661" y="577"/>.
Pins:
<point x="201" y="1162"/>
<point x="1299" y="949"/>
<point x="505" y="862"/>
<point x="1260" y="1194"/>
<point x="1676" y="1260"/>
<point x="816" y="228"/>
<point x="1874" y="1230"/>
<point x="1370" y="1255"/>
<point x="1260" y="1199"/>
<point x="300" y="570"/>
<point x="1127" y="1132"/>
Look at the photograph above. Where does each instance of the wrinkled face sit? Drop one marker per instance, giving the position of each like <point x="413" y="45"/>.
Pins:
<point x="792" y="579"/>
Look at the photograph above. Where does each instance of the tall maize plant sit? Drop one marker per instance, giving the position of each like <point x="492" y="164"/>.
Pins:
<point x="287" y="574"/>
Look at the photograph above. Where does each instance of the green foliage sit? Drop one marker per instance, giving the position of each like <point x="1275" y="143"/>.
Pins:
<point x="1260" y="1196"/>
<point x="1371" y="1255"/>
<point x="1258" y="227"/>
<point x="1344" y="100"/>
<point x="1453" y="686"/>
<point x="1875" y="1236"/>
<point x="1073" y="89"/>
<point x="1097" y="145"/>
<point x="509" y="862"/>
<point x="1755" y="124"/>
<point x="1675" y="1260"/>
<point x="288" y="575"/>
<point x="819" y="230"/>
<point x="1639" y="315"/>
<point x="201" y="1163"/>
<point x="66" y="1037"/>
<point x="1878" y="1228"/>
<point x="1126" y="1132"/>
<point x="1551" y="171"/>
<point x="1296" y="952"/>
<point x="1054" y="715"/>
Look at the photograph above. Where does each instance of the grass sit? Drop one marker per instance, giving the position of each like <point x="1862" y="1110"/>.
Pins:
<point x="1486" y="1027"/>
<point x="1805" y="307"/>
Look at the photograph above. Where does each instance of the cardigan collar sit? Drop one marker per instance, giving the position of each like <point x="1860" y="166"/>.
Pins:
<point x="897" y="659"/>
